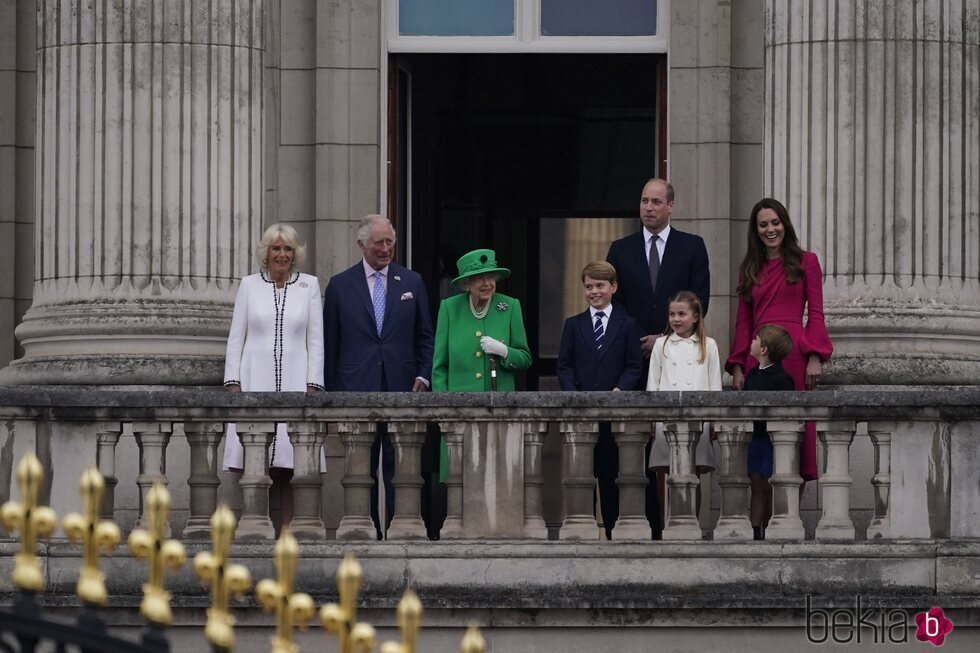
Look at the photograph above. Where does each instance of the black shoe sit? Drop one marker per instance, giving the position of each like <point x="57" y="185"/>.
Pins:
<point x="758" y="533"/>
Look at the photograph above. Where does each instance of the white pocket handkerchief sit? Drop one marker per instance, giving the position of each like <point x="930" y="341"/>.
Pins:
<point x="407" y="295"/>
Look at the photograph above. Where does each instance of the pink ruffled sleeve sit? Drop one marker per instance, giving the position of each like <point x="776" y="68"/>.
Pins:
<point x="743" y="336"/>
<point x="815" y="339"/>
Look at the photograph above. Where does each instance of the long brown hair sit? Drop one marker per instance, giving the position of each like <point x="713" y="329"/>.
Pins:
<point x="755" y="253"/>
<point x="700" y="331"/>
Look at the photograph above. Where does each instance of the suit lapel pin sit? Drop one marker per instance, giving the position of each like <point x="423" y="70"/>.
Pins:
<point x="397" y="278"/>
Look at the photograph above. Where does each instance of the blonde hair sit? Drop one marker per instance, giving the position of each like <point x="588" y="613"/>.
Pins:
<point x="271" y="235"/>
<point x="700" y="331"/>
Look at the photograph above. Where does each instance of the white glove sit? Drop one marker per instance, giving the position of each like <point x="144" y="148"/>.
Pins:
<point x="494" y="347"/>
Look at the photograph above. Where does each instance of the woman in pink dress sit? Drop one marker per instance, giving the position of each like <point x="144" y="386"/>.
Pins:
<point x="779" y="283"/>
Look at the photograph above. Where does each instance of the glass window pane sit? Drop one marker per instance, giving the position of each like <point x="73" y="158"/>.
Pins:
<point x="456" y="17"/>
<point x="598" y="18"/>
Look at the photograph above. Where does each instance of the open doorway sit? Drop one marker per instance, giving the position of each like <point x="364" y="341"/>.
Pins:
<point x="538" y="156"/>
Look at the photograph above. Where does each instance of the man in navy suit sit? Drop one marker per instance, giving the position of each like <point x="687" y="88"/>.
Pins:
<point x="645" y="284"/>
<point x="654" y="264"/>
<point x="600" y="351"/>
<point x="378" y="335"/>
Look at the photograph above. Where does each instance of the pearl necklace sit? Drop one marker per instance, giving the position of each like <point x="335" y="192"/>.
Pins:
<point x="478" y="314"/>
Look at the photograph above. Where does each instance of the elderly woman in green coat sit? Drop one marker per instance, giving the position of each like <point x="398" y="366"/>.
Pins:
<point x="477" y="325"/>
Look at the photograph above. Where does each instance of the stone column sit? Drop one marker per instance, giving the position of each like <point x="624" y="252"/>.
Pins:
<point x="105" y="460"/>
<point x="786" y="481"/>
<point x="631" y="439"/>
<point x="835" y="482"/>
<point x="406" y="524"/>
<point x="148" y="188"/>
<point x="873" y="143"/>
<point x="452" y="527"/>
<point x="682" y="518"/>
<point x="306" y="438"/>
<point x="733" y="448"/>
<point x="881" y="437"/>
<point x="203" y="439"/>
<point x="579" y="439"/>
<point x="356" y="437"/>
<point x="152" y="439"/>
<point x="255" y="523"/>
<point x="534" y="435"/>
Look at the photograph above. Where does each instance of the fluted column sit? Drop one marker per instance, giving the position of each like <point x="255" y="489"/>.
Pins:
<point x="307" y="482"/>
<point x="872" y="139"/>
<point x="733" y="447"/>
<point x="534" y="435"/>
<point x="408" y="438"/>
<point x="203" y="439"/>
<point x="356" y="437"/>
<point x="452" y="527"/>
<point x="835" y="483"/>
<point x="881" y="437"/>
<point x="786" y="481"/>
<point x="148" y="188"/>
<point x="682" y="520"/>
<point x="579" y="439"/>
<point x="631" y="439"/>
<point x="105" y="459"/>
<point x="255" y="523"/>
<point x="152" y="439"/>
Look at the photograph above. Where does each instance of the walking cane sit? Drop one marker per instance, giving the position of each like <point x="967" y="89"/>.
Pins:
<point x="493" y="373"/>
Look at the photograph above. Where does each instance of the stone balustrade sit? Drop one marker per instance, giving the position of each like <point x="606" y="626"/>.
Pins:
<point x="926" y="451"/>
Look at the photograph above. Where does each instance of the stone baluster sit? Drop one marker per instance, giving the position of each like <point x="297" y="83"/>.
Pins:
<point x="307" y="483"/>
<point x="407" y="438"/>
<point x="452" y="527"/>
<point x="682" y="518"/>
<point x="152" y="439"/>
<point x="631" y="439"/>
<point x="579" y="439"/>
<point x="356" y="437"/>
<point x="105" y="460"/>
<point x="835" y="482"/>
<point x="203" y="439"/>
<point x="733" y="446"/>
<point x="534" y="435"/>
<point x="255" y="523"/>
<point x="881" y="438"/>
<point x="786" y="481"/>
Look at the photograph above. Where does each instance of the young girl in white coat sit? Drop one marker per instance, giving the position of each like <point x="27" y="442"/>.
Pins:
<point x="685" y="358"/>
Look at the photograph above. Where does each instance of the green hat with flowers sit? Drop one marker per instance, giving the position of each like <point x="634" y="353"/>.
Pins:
<point x="479" y="261"/>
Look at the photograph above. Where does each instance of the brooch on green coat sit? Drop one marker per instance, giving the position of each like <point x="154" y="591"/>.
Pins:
<point x="502" y="306"/>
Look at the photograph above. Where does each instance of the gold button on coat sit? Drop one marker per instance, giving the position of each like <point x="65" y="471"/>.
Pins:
<point x="479" y="354"/>
<point x="479" y="376"/>
<point x="479" y="334"/>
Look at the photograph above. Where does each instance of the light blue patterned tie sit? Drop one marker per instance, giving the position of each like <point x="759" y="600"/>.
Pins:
<point x="378" y="297"/>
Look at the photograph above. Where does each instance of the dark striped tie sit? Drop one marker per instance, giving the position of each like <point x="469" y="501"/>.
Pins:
<point x="599" y="332"/>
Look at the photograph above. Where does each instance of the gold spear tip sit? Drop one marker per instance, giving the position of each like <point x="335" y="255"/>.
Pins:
<point x="473" y="641"/>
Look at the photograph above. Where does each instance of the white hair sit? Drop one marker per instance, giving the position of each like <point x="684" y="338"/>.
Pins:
<point x="271" y="235"/>
<point x="364" y="229"/>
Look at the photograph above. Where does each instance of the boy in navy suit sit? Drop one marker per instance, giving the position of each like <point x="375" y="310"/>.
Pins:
<point x="770" y="346"/>
<point x="600" y="351"/>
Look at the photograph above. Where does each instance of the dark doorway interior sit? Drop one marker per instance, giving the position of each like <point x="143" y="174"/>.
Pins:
<point x="499" y="143"/>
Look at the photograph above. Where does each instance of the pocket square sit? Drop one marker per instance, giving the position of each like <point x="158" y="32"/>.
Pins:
<point x="407" y="295"/>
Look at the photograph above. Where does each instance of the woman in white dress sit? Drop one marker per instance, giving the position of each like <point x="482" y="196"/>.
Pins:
<point x="275" y="345"/>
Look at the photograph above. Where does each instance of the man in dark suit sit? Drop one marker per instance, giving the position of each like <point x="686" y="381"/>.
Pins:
<point x="653" y="265"/>
<point x="378" y="335"/>
<point x="600" y="351"/>
<point x="645" y="284"/>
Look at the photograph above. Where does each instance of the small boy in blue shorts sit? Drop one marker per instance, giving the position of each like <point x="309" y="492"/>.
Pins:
<point x="771" y="345"/>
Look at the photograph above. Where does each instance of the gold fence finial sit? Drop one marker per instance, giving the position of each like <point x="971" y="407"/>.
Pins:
<point x="409" y="622"/>
<point x="160" y="554"/>
<point x="340" y="620"/>
<point x="224" y="579"/>
<point x="94" y="534"/>
<point x="33" y="522"/>
<point x="473" y="641"/>
<point x="277" y="596"/>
